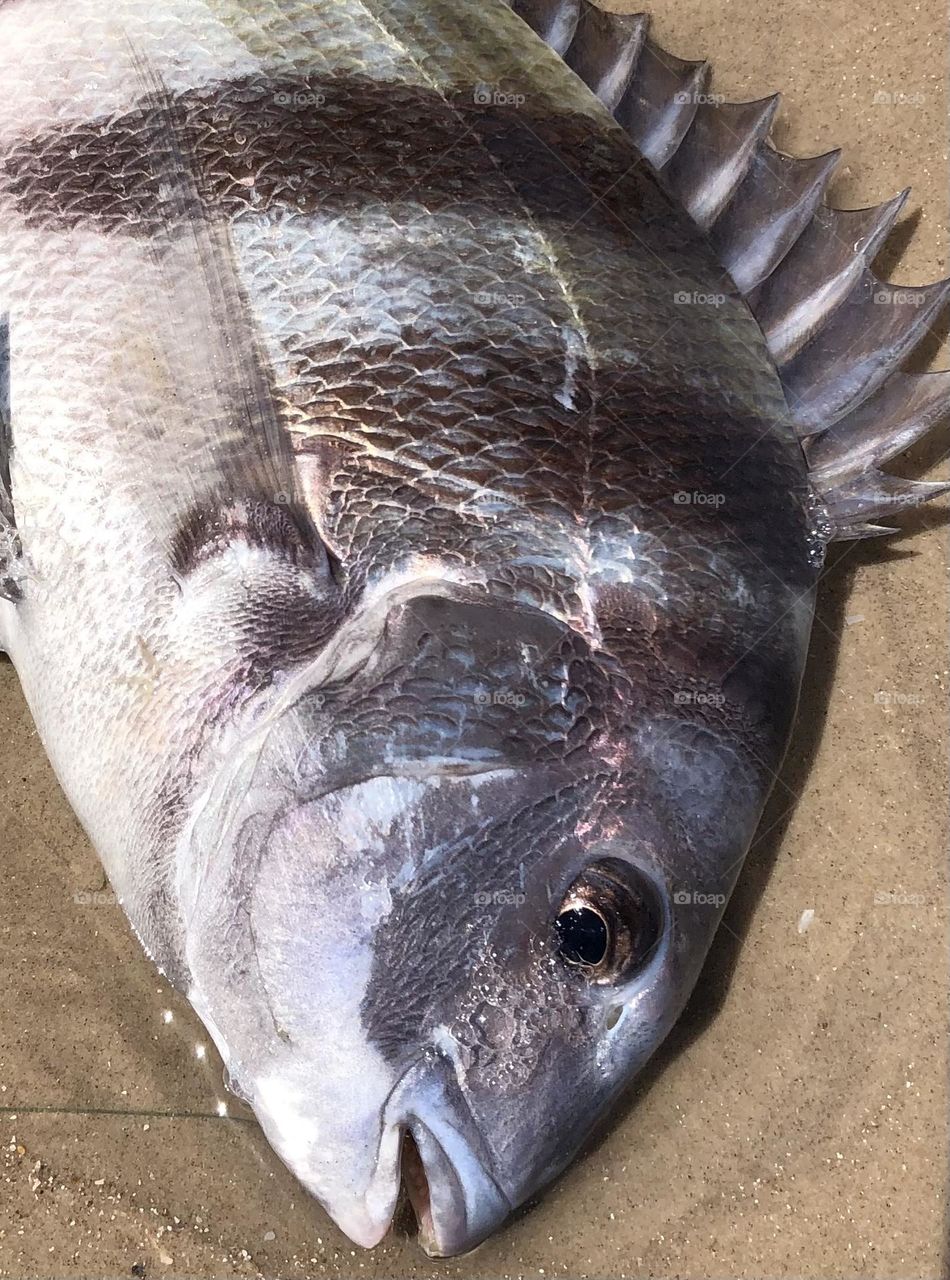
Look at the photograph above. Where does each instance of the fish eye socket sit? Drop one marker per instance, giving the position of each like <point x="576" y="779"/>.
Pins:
<point x="609" y="922"/>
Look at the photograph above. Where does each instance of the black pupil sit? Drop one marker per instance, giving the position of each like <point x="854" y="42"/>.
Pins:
<point x="582" y="936"/>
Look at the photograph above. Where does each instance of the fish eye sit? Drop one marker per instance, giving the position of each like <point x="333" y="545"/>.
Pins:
<point x="609" y="922"/>
<point x="583" y="936"/>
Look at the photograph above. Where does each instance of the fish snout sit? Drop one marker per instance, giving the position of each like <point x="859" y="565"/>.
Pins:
<point x="445" y="1163"/>
<point x="429" y="1142"/>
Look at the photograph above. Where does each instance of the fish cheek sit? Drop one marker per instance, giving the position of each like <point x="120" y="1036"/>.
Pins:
<point x="527" y="1042"/>
<point x="517" y="1004"/>
<point x="426" y="950"/>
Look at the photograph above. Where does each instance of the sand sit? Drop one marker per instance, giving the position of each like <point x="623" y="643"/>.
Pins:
<point x="796" y="1123"/>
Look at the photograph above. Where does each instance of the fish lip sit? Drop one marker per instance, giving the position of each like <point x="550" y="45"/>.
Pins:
<point x="448" y="1222"/>
<point x="462" y="1201"/>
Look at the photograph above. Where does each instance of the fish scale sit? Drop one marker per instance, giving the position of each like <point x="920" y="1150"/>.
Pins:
<point x="421" y="427"/>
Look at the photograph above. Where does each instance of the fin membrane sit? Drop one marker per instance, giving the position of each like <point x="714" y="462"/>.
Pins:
<point x="837" y="333"/>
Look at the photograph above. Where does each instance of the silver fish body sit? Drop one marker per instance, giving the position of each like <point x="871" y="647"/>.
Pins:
<point x="406" y="544"/>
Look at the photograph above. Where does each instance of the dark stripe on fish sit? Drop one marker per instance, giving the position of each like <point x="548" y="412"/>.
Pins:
<point x="400" y="461"/>
<point x="335" y="144"/>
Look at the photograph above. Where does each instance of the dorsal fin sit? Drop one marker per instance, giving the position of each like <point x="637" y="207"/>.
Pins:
<point x="837" y="333"/>
<point x="604" y="52"/>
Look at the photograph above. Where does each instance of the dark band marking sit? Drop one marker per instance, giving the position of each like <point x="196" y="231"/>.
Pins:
<point x="480" y="682"/>
<point x="338" y="143"/>
<point x="442" y="925"/>
<point x="414" y="460"/>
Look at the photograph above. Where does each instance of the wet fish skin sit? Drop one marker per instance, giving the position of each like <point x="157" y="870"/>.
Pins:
<point x="408" y="515"/>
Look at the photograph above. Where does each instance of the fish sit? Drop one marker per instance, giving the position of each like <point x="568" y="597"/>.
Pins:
<point x="422" y="428"/>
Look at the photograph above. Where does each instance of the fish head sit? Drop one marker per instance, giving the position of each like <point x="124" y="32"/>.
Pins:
<point x="448" y="899"/>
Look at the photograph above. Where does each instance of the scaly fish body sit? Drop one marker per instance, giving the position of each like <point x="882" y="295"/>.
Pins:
<point x="409" y="528"/>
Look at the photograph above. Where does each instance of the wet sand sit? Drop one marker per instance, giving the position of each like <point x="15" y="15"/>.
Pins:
<point x="795" y="1126"/>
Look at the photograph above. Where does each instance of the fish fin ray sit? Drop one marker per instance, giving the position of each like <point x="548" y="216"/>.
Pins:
<point x="866" y="340"/>
<point x="775" y="202"/>
<point x="555" y="21"/>
<point x="818" y="273"/>
<point x="716" y="154"/>
<point x="854" y="504"/>
<point x="861" y="532"/>
<point x="604" y="52"/>
<point x="899" y="414"/>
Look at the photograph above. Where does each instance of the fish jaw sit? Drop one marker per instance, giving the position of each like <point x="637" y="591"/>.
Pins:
<point x="427" y="1137"/>
<point x="362" y="1200"/>
<point x="457" y="1198"/>
<point x="421" y="1134"/>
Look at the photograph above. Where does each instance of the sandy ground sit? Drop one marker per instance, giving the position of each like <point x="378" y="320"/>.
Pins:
<point x="796" y="1124"/>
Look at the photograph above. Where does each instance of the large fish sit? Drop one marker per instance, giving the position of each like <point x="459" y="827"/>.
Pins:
<point x="421" y="426"/>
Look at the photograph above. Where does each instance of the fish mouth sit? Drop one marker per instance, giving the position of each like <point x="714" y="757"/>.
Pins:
<point x="456" y="1199"/>
<point x="431" y="1146"/>
<point x="445" y="1164"/>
